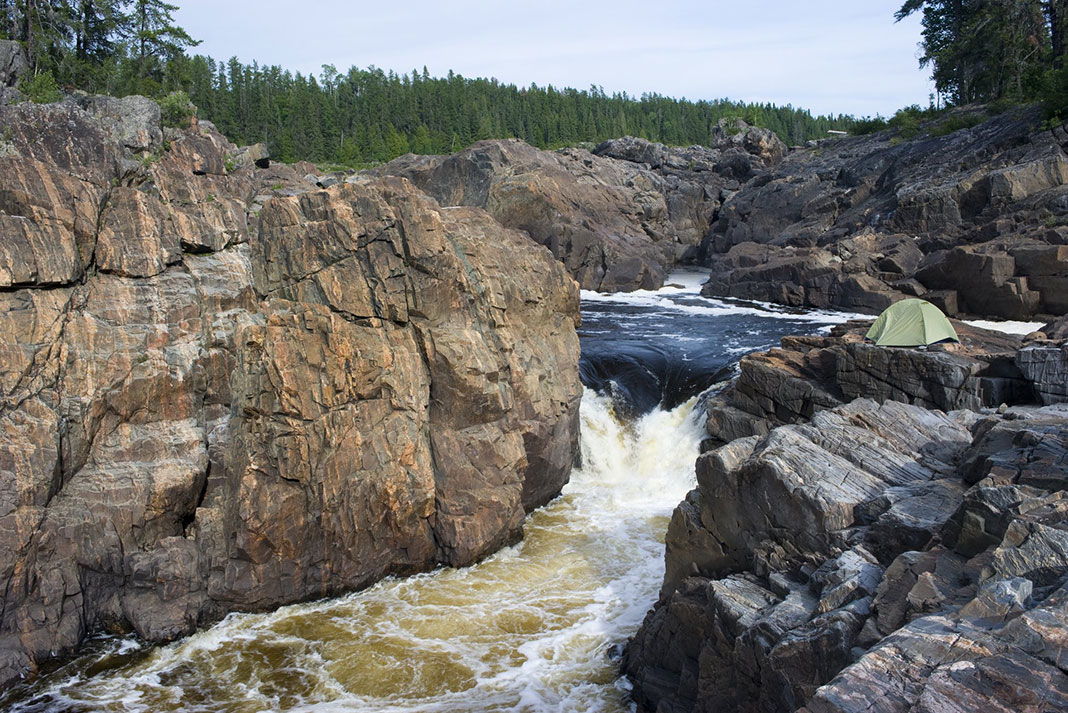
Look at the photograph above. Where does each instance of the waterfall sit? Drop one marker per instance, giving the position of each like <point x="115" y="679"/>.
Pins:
<point x="532" y="628"/>
<point x="535" y="627"/>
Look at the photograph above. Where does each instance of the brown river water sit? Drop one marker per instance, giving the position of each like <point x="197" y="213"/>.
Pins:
<point x="537" y="627"/>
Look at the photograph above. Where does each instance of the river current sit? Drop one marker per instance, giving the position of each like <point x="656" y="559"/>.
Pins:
<point x="536" y="627"/>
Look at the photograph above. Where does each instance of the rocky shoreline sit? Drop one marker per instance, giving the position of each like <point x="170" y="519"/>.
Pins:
<point x="974" y="220"/>
<point x="619" y="217"/>
<point x="852" y="554"/>
<point x="881" y="529"/>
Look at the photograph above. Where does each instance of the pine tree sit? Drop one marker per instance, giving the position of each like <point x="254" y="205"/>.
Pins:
<point x="984" y="50"/>
<point x="99" y="27"/>
<point x="45" y="28"/>
<point x="155" y="36"/>
<point x="943" y="37"/>
<point x="1057" y="15"/>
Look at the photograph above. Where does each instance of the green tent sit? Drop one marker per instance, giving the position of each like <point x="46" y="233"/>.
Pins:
<point x="911" y="323"/>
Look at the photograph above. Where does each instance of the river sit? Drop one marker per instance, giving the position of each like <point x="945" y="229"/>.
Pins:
<point x="536" y="627"/>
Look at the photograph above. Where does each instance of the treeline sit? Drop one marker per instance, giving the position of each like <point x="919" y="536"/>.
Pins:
<point x="990" y="51"/>
<point x="372" y="115"/>
<point x="994" y="50"/>
<point x="123" y="47"/>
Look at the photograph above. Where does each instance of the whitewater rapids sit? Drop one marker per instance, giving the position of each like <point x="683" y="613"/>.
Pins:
<point x="534" y="628"/>
<point x="537" y="627"/>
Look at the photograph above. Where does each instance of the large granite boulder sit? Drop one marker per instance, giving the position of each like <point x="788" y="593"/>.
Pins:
<point x="971" y="220"/>
<point x="619" y="217"/>
<point x="223" y="390"/>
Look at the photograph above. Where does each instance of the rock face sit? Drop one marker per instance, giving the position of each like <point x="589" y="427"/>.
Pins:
<point x="812" y="374"/>
<point x="620" y="217"/>
<point x="972" y="221"/>
<point x="1046" y="365"/>
<point x="843" y="555"/>
<point x="223" y="390"/>
<point x="846" y="565"/>
<point x="12" y="62"/>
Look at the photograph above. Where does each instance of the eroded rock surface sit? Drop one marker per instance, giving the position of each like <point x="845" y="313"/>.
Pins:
<point x="877" y="558"/>
<point x="224" y="390"/>
<point x="904" y="552"/>
<point x="973" y="221"/>
<point x="812" y="373"/>
<point x="620" y="217"/>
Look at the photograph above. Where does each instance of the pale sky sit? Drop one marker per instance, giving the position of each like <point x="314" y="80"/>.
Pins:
<point x="847" y="56"/>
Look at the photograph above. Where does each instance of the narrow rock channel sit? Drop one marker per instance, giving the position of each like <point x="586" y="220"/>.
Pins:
<point x="536" y="627"/>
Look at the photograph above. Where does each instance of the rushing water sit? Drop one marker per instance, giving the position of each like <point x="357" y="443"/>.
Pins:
<point x="534" y="628"/>
<point x="657" y="349"/>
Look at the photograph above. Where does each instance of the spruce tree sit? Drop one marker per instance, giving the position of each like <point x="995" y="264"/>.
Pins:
<point x="99" y="26"/>
<point x="984" y="50"/>
<point x="155" y="37"/>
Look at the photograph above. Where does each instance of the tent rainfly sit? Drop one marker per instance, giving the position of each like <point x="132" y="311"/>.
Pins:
<point x="911" y="323"/>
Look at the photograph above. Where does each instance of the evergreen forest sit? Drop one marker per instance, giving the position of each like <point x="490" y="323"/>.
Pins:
<point x="992" y="50"/>
<point x="373" y="115"/>
<point x="978" y="51"/>
<point x="122" y="47"/>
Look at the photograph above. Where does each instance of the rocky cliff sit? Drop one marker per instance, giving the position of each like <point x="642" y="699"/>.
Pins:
<point x="974" y="220"/>
<point x="881" y="529"/>
<point x="867" y="556"/>
<point x="619" y="217"/>
<point x="224" y="389"/>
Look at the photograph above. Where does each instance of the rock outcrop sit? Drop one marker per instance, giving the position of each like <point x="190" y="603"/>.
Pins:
<point x="842" y="554"/>
<point x="620" y="217"/>
<point x="973" y="221"/>
<point x="879" y="529"/>
<point x="225" y="390"/>
<point x="878" y="558"/>
<point x="12" y="62"/>
<point x="813" y="373"/>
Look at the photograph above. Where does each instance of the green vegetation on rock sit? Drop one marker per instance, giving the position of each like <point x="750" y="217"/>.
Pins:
<point x="40" y="88"/>
<point x="177" y="110"/>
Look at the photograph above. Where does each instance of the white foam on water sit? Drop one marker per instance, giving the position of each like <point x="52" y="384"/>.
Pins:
<point x="1008" y="327"/>
<point x="687" y="284"/>
<point x="680" y="282"/>
<point x="127" y="646"/>
<point x="529" y="629"/>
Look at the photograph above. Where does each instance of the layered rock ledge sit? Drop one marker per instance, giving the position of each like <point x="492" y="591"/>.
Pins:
<point x="866" y="556"/>
<point x="224" y="389"/>
<point x="973" y="220"/>
<point x="809" y="374"/>
<point x="619" y="217"/>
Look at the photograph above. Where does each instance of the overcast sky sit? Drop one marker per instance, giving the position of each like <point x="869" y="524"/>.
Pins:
<point x="847" y="56"/>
